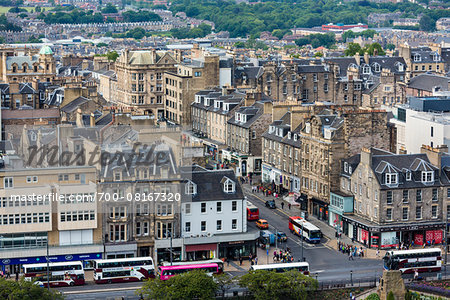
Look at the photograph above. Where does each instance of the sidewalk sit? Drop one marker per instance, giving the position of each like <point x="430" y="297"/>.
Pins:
<point x="327" y="231"/>
<point x="263" y="259"/>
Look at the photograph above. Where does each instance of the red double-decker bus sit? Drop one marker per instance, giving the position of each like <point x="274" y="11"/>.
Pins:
<point x="252" y="212"/>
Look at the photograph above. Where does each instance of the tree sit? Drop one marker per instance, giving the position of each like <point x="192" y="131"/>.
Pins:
<point x="192" y="285"/>
<point x="26" y="290"/>
<point x="37" y="9"/>
<point x="390" y="296"/>
<point x="373" y="296"/>
<point x="426" y="23"/>
<point x="374" y="48"/>
<point x="352" y="49"/>
<point x="224" y="282"/>
<point x="109" y="9"/>
<point x="390" y="47"/>
<point x="271" y="285"/>
<point x="112" y="55"/>
<point x="239" y="45"/>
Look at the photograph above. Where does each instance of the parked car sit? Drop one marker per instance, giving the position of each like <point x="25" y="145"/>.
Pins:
<point x="271" y="204"/>
<point x="281" y="236"/>
<point x="262" y="224"/>
<point x="267" y="237"/>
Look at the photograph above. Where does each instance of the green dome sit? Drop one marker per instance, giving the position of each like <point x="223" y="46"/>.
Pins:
<point x="46" y="50"/>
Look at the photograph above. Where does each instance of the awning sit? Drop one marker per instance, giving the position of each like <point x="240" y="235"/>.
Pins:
<point x="203" y="247"/>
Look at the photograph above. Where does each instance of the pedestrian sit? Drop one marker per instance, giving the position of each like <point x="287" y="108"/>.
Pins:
<point x="8" y="275"/>
<point x="289" y="205"/>
<point x="228" y="262"/>
<point x="378" y="252"/>
<point x="282" y="205"/>
<point x="350" y="255"/>
<point x="17" y="275"/>
<point x="240" y="260"/>
<point x="256" y="260"/>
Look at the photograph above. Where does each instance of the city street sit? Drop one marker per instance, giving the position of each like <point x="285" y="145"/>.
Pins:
<point x="326" y="263"/>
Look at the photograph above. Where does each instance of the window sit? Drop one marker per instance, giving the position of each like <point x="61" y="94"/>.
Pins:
<point x="448" y="212"/>
<point x="389" y="214"/>
<point x="8" y="182"/>
<point x="448" y="193"/>
<point x="138" y="228"/>
<point x="219" y="225"/>
<point x="234" y="224"/>
<point x="219" y="206"/>
<point x="419" y="195"/>
<point x="203" y="207"/>
<point x="234" y="206"/>
<point x="203" y="226"/>
<point x="405" y="196"/>
<point x="427" y="176"/>
<point x="435" y="195"/>
<point x="187" y="227"/>
<point x="432" y="131"/>
<point x="228" y="186"/>
<point x="191" y="188"/>
<point x="434" y="211"/>
<point x="418" y="212"/>
<point x="389" y="197"/>
<point x="391" y="178"/>
<point x="408" y="176"/>
<point x="188" y="208"/>
<point x="405" y="214"/>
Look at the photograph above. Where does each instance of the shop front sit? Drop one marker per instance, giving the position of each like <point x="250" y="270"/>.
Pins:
<point x="340" y="203"/>
<point x="234" y="250"/>
<point x="199" y="252"/>
<point x="319" y="209"/>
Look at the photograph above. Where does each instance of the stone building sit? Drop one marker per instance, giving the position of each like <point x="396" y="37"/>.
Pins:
<point x="244" y="132"/>
<point x="140" y="80"/>
<point x="422" y="60"/>
<point x="16" y="95"/>
<point x="184" y="82"/>
<point x="397" y="199"/>
<point x="17" y="67"/>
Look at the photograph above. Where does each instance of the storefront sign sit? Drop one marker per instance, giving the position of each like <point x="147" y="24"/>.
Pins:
<point x="418" y="239"/>
<point x="54" y="258"/>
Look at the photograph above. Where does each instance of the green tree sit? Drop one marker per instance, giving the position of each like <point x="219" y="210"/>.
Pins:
<point x="26" y="290"/>
<point x="37" y="9"/>
<point x="352" y="49"/>
<point x="271" y="285"/>
<point x="426" y="23"/>
<point x="373" y="296"/>
<point x="390" y="47"/>
<point x="109" y="9"/>
<point x="239" y="45"/>
<point x="112" y="55"/>
<point x="374" y="48"/>
<point x="390" y="296"/>
<point x="191" y="285"/>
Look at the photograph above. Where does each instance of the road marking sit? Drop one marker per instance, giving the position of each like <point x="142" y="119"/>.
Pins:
<point x="100" y="291"/>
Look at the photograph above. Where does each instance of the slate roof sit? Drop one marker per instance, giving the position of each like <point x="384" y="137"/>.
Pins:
<point x="210" y="185"/>
<point x="20" y="60"/>
<point x="252" y="112"/>
<point x="426" y="82"/>
<point x="250" y="72"/>
<point x="74" y="104"/>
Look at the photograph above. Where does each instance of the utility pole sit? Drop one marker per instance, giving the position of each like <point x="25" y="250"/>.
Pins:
<point x="303" y="257"/>
<point x="48" y="269"/>
<point x="171" y="256"/>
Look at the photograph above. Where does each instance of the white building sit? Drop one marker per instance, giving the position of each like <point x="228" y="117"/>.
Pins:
<point x="423" y="121"/>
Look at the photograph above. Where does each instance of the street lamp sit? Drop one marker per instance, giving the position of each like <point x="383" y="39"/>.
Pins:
<point x="351" y="277"/>
<point x="48" y="267"/>
<point x="317" y="274"/>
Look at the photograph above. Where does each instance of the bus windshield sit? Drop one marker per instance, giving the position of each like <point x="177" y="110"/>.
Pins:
<point x="315" y="234"/>
<point x="253" y="210"/>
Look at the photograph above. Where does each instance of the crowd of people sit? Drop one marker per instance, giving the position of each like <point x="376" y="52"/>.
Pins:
<point x="351" y="250"/>
<point x="283" y="256"/>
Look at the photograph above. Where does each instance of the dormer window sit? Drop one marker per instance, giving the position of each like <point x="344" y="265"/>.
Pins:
<point x="366" y="69"/>
<point x="269" y="78"/>
<point x="289" y="135"/>
<point x="408" y="176"/>
<point x="436" y="57"/>
<point x="350" y="170"/>
<point x="295" y="137"/>
<point x="400" y="67"/>
<point x="391" y="178"/>
<point x="191" y="188"/>
<point x="228" y="186"/>
<point x="427" y="176"/>
<point x="376" y="67"/>
<point x="271" y="129"/>
<point x="346" y="166"/>
<point x="417" y="57"/>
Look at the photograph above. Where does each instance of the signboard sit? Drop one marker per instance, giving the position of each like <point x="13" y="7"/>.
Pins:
<point x="54" y="258"/>
<point x="418" y="239"/>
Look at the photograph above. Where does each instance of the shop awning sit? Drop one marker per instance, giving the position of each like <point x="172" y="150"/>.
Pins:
<point x="202" y="247"/>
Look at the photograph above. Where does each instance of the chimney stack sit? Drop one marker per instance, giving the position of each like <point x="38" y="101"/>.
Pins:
<point x="92" y="120"/>
<point x="79" y="118"/>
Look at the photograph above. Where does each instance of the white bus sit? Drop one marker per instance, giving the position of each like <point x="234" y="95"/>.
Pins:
<point x="279" y="268"/>
<point x="123" y="269"/>
<point x="407" y="261"/>
<point x="61" y="273"/>
<point x="311" y="233"/>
